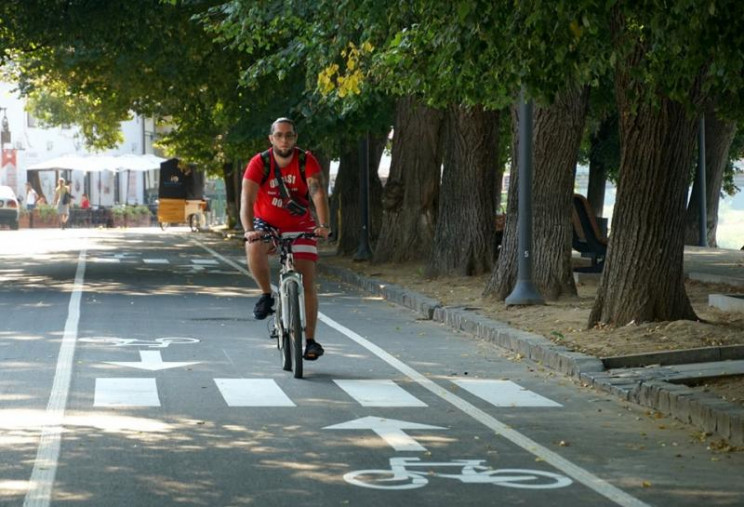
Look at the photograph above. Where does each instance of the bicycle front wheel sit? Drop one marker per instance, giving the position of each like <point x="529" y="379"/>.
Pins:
<point x="295" y="328"/>
<point x="282" y="337"/>
<point x="194" y="222"/>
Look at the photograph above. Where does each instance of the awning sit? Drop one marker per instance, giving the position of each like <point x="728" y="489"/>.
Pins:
<point x="98" y="163"/>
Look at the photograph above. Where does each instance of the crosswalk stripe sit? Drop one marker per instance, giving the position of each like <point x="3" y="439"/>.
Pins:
<point x="126" y="392"/>
<point x="156" y="261"/>
<point x="379" y="393"/>
<point x="259" y="392"/>
<point x="255" y="392"/>
<point x="504" y="393"/>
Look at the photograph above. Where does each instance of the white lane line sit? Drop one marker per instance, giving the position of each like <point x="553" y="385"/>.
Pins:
<point x="379" y="393"/>
<point x="504" y="393"/>
<point x="580" y="475"/>
<point x="577" y="473"/>
<point x="253" y="392"/>
<point x="126" y="392"/>
<point x="45" y="466"/>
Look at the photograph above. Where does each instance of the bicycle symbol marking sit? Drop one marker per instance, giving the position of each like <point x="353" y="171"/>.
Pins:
<point x="472" y="471"/>
<point x="157" y="343"/>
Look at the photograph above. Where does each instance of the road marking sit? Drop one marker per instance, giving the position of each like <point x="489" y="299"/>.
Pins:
<point x="156" y="261"/>
<point x="126" y="392"/>
<point x="106" y="260"/>
<point x="151" y="360"/>
<point x="45" y="465"/>
<point x="504" y="393"/>
<point x="157" y="343"/>
<point x="390" y="430"/>
<point x="206" y="262"/>
<point x="254" y="392"/>
<point x="379" y="393"/>
<point x="577" y="473"/>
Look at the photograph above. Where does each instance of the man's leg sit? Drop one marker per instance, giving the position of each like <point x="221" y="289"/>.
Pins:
<point x="258" y="262"/>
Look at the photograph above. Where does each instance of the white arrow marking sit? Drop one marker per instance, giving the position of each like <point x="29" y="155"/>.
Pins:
<point x="390" y="430"/>
<point x="151" y="361"/>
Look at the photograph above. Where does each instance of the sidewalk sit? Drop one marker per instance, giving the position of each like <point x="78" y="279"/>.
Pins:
<point x="651" y="380"/>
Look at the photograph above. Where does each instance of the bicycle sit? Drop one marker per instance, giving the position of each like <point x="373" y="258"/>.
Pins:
<point x="288" y="324"/>
<point x="472" y="471"/>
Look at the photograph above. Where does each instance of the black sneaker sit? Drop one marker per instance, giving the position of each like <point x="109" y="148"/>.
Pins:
<point x="313" y="350"/>
<point x="264" y="307"/>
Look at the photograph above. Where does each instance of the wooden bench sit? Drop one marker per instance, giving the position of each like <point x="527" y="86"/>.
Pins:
<point x="588" y="238"/>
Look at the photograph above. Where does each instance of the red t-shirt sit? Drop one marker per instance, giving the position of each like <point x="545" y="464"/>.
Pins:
<point x="269" y="205"/>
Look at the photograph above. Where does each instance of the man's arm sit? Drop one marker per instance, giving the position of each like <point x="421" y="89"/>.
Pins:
<point x="316" y="187"/>
<point x="248" y="195"/>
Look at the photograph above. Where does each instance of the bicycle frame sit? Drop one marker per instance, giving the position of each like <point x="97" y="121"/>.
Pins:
<point x="288" y="274"/>
<point x="289" y="322"/>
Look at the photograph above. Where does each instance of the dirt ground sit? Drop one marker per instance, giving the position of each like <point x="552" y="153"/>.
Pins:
<point x="565" y="322"/>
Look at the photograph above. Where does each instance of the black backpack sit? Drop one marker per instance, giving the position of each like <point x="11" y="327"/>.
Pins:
<point x="266" y="158"/>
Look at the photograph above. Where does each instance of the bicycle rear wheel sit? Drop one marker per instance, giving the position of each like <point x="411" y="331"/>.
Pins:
<point x="295" y="328"/>
<point x="194" y="222"/>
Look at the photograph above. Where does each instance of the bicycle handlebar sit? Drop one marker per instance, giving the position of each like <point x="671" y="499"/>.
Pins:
<point x="272" y="236"/>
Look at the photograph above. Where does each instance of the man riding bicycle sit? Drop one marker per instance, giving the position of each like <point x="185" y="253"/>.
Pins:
<point x="283" y="204"/>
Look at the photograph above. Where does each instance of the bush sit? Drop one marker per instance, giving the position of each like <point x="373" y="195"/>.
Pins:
<point x="47" y="212"/>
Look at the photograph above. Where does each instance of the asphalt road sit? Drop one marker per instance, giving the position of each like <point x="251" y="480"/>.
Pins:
<point x="133" y="374"/>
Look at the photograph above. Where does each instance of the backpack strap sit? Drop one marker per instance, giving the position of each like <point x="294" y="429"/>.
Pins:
<point x="268" y="159"/>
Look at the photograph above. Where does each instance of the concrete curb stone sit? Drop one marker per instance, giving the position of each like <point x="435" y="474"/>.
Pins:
<point x="703" y="410"/>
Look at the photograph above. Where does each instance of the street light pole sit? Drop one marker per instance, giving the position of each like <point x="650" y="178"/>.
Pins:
<point x="364" y="253"/>
<point x="525" y="292"/>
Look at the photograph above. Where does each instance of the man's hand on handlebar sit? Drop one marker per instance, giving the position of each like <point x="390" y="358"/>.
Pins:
<point x="251" y="236"/>
<point x="322" y="231"/>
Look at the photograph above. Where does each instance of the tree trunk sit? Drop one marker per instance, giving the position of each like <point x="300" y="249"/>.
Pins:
<point x="325" y="165"/>
<point x="557" y="132"/>
<point x="719" y="135"/>
<point x="600" y="141"/>
<point x="232" y="174"/>
<point x="465" y="233"/>
<point x="643" y="277"/>
<point x="411" y="194"/>
<point x="345" y="201"/>
<point x="35" y="181"/>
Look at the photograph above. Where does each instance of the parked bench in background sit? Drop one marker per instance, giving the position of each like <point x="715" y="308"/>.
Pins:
<point x="588" y="238"/>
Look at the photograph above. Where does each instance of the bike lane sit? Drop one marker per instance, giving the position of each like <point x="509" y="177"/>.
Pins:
<point x="35" y="322"/>
<point x="216" y="421"/>
<point x="623" y="453"/>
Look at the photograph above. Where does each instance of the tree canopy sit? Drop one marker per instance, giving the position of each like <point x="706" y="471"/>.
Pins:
<point x="220" y="71"/>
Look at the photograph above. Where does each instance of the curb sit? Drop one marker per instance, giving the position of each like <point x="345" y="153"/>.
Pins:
<point x="701" y="409"/>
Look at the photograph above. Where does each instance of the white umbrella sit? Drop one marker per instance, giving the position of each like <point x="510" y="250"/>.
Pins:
<point x="86" y="163"/>
<point x="97" y="163"/>
<point x="138" y="162"/>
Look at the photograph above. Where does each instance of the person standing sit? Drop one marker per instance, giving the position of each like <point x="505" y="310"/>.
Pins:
<point x="263" y="208"/>
<point x="31" y="198"/>
<point x="62" y="199"/>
